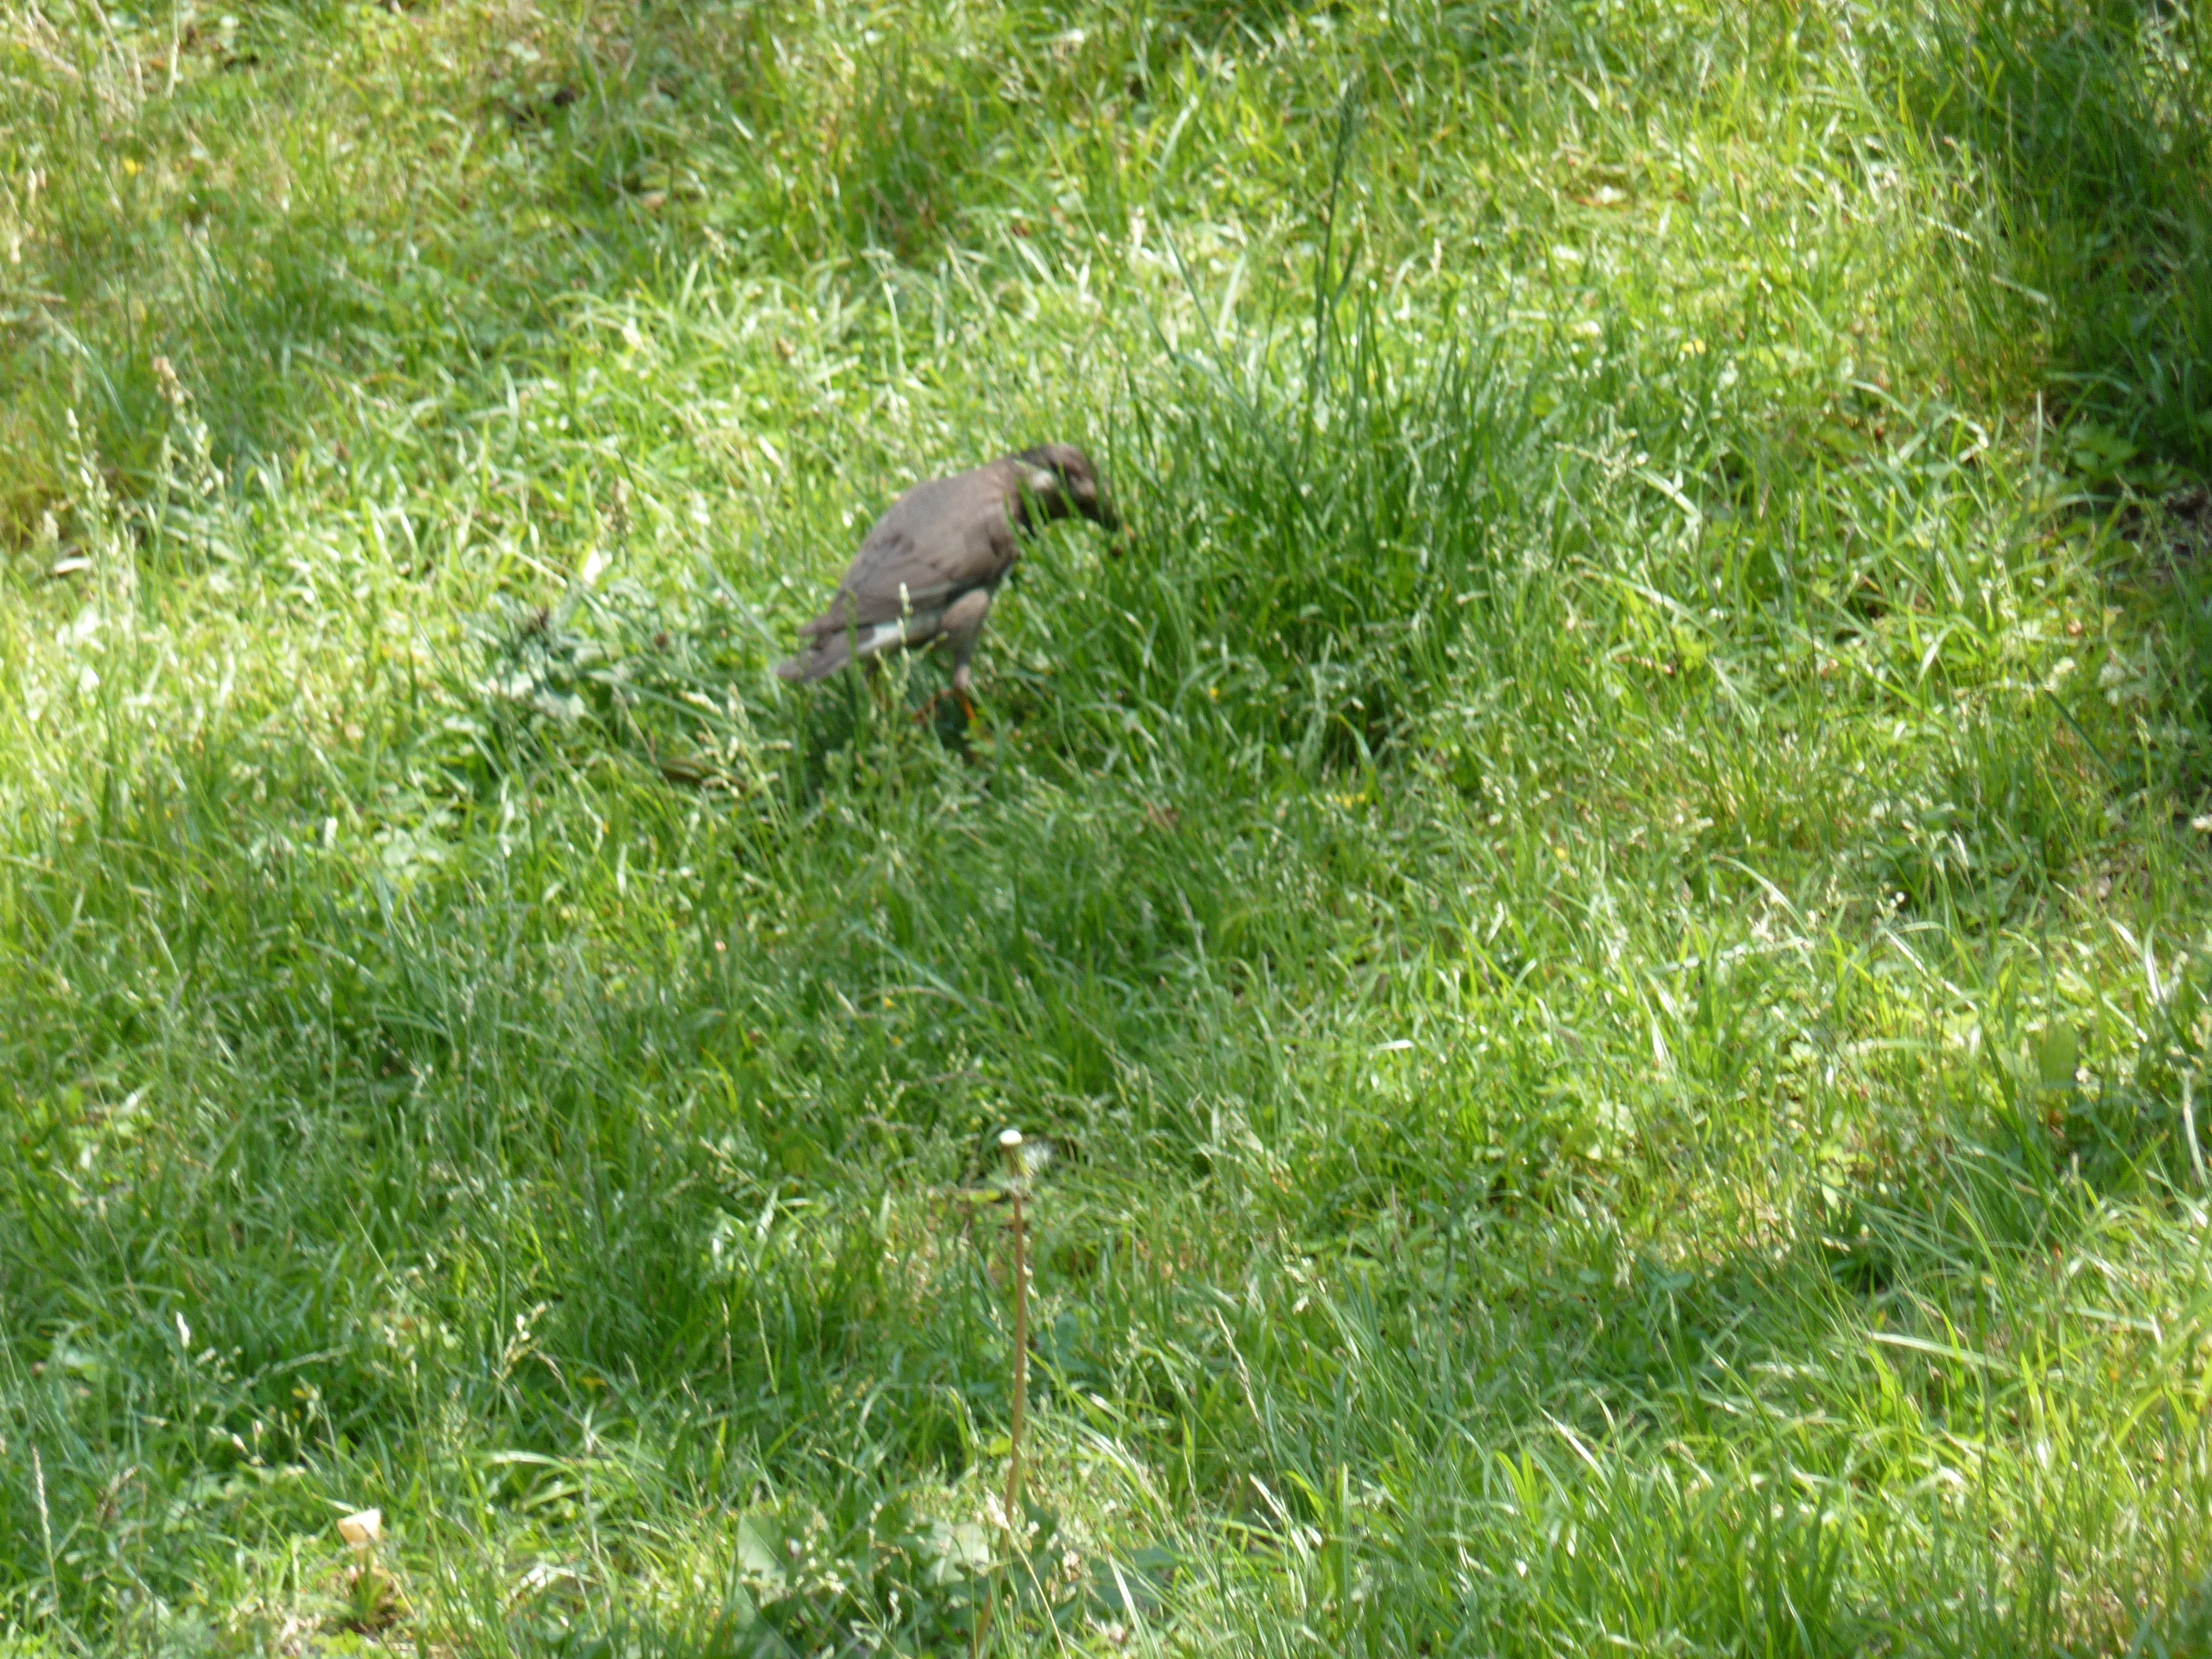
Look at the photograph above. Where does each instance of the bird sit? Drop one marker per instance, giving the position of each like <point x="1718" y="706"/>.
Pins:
<point x="929" y="569"/>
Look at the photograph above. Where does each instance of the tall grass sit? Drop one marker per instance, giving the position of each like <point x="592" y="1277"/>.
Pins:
<point x="1602" y="916"/>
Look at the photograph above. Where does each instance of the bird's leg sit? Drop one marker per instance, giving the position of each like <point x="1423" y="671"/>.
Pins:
<point x="964" y="626"/>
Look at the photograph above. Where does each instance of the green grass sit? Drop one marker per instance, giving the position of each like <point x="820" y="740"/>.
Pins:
<point x="1604" y="916"/>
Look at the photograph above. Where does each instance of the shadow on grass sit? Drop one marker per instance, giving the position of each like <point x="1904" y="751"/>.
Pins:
<point x="319" y="206"/>
<point x="2090" y="116"/>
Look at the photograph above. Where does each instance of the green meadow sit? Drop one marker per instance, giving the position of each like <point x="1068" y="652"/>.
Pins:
<point x="1601" y="931"/>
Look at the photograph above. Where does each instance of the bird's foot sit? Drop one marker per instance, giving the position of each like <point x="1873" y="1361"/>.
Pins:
<point x="928" y="710"/>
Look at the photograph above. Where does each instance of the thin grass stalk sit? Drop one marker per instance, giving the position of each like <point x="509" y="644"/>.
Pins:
<point x="1021" y="1361"/>
<point x="2189" y="1128"/>
<point x="1009" y="1143"/>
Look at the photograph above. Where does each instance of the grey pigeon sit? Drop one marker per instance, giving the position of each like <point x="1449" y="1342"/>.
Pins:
<point x="929" y="568"/>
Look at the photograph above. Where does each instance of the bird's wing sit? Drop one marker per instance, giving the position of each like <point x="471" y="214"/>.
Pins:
<point x="939" y="540"/>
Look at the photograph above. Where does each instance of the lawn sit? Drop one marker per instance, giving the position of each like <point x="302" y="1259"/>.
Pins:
<point x="1599" y="932"/>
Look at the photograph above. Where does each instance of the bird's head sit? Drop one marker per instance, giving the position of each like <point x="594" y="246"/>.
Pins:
<point x="1060" y="480"/>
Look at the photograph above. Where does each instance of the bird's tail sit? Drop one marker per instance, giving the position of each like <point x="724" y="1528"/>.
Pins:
<point x="831" y="652"/>
<point x="824" y="656"/>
